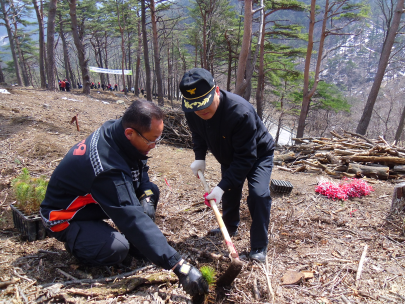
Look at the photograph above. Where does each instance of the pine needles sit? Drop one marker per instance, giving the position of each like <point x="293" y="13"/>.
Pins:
<point x="29" y="191"/>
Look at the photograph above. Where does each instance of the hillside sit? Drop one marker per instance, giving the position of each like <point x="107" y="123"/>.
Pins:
<point x="307" y="231"/>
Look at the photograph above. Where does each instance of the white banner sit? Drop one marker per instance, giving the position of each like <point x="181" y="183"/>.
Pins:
<point x="108" y="71"/>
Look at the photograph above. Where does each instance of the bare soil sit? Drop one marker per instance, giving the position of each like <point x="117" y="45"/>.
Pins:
<point x="307" y="231"/>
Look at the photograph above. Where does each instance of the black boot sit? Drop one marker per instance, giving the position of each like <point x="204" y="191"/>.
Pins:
<point x="217" y="231"/>
<point x="258" y="254"/>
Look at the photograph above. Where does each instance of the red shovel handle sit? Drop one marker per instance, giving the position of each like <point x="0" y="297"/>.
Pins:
<point x="225" y="234"/>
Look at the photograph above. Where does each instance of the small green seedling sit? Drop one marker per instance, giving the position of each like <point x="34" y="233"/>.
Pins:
<point x="209" y="274"/>
<point x="29" y="191"/>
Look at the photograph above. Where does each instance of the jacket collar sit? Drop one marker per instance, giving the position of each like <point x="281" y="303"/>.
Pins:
<point x="123" y="143"/>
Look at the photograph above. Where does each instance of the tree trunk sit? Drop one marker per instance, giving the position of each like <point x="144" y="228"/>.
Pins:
<point x="229" y="74"/>
<point x="369" y="171"/>
<point x="138" y="60"/>
<point x="400" y="126"/>
<point x="21" y="59"/>
<point x="308" y="94"/>
<point x="248" y="78"/>
<point x="50" y="37"/>
<point x="244" y="52"/>
<point x="100" y="59"/>
<point x="129" y="67"/>
<point x="23" y="66"/>
<point x="122" y="49"/>
<point x="260" y="79"/>
<point x="11" y="39"/>
<point x="398" y="199"/>
<point x="106" y="55"/>
<point x="382" y="65"/>
<point x="173" y="90"/>
<point x="65" y="51"/>
<point x="145" y="53"/>
<point x="2" y="79"/>
<point x="204" y="46"/>
<point x="196" y="52"/>
<point x="157" y="54"/>
<point x="41" y="43"/>
<point x="80" y="48"/>
<point x="168" y="72"/>
<point x="280" y="120"/>
<point x="251" y="63"/>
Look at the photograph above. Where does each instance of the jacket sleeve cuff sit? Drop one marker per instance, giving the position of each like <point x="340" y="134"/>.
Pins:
<point x="224" y="185"/>
<point x="200" y="155"/>
<point x="173" y="260"/>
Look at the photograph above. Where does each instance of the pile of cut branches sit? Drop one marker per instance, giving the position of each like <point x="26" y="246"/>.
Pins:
<point x="176" y="131"/>
<point x="346" y="155"/>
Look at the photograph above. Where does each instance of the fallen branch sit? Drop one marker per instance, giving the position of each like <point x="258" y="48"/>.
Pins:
<point x="209" y="255"/>
<point x="23" y="296"/>
<point x="266" y="272"/>
<point x="7" y="283"/>
<point x="346" y="300"/>
<point x="101" y="280"/>
<point x="66" y="274"/>
<point x="256" y="292"/>
<point x="284" y="169"/>
<point x="398" y="295"/>
<point x="47" y="251"/>
<point x="360" y="268"/>
<point x="22" y="277"/>
<point x="359" y="135"/>
<point x="124" y="286"/>
<point x="4" y="200"/>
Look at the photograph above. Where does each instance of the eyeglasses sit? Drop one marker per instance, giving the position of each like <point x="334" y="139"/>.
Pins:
<point x="148" y="142"/>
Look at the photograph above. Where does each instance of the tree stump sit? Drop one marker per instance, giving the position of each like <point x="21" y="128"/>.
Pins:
<point x="398" y="199"/>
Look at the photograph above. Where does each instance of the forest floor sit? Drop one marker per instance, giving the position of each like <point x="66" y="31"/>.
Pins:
<point x="307" y="231"/>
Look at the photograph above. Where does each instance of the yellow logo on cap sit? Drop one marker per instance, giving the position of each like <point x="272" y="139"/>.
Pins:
<point x="192" y="91"/>
<point x="196" y="104"/>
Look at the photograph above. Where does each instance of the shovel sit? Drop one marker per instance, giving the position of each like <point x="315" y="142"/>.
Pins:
<point x="236" y="264"/>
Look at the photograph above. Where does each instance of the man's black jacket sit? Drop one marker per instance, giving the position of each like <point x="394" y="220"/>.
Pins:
<point x="235" y="135"/>
<point x="100" y="178"/>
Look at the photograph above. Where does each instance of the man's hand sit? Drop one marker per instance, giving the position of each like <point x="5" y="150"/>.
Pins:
<point x="148" y="204"/>
<point x="191" y="279"/>
<point x="216" y="194"/>
<point x="197" y="165"/>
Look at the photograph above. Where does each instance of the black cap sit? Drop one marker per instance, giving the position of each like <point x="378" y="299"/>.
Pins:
<point x="198" y="89"/>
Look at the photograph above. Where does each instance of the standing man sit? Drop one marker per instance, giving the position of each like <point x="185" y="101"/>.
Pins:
<point x="62" y="85"/>
<point x="106" y="176"/>
<point x="67" y="85"/>
<point x="229" y="126"/>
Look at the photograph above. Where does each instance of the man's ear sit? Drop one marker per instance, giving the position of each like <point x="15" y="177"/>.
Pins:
<point x="217" y="90"/>
<point x="129" y="132"/>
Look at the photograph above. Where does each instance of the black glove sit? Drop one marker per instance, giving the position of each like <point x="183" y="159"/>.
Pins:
<point x="148" y="203"/>
<point x="191" y="279"/>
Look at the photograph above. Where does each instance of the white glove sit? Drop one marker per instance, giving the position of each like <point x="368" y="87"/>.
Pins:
<point x="216" y="194"/>
<point x="197" y="165"/>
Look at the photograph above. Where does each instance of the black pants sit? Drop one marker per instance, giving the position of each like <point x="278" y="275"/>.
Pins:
<point x="97" y="243"/>
<point x="258" y="200"/>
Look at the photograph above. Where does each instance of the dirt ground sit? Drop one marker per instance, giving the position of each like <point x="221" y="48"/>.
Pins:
<point x="307" y="232"/>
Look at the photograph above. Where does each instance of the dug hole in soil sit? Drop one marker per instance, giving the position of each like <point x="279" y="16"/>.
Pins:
<point x="308" y="233"/>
